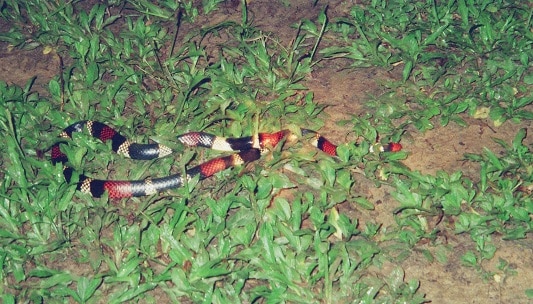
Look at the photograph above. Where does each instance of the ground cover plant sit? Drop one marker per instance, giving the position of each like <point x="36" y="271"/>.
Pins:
<point x="275" y="231"/>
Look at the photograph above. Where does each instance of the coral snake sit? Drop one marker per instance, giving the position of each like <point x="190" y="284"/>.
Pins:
<point x="249" y="149"/>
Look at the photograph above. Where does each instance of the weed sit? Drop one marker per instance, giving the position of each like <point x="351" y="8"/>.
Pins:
<point x="465" y="55"/>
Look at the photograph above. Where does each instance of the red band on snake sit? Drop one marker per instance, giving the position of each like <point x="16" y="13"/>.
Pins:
<point x="250" y="150"/>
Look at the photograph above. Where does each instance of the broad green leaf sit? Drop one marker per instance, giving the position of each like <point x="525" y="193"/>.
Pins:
<point x="518" y="139"/>
<point x="86" y="287"/>
<point x="92" y="73"/>
<point x="55" y="280"/>
<point x="364" y="203"/>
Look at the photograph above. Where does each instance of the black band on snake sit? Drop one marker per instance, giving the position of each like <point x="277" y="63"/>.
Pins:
<point x="250" y="150"/>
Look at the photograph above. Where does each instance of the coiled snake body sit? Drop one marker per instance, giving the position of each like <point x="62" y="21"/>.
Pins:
<point x="249" y="149"/>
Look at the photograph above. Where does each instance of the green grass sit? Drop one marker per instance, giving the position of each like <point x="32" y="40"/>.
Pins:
<point x="235" y="238"/>
<point x="442" y="48"/>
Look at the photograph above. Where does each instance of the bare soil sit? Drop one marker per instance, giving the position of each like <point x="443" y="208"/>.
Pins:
<point x="345" y="91"/>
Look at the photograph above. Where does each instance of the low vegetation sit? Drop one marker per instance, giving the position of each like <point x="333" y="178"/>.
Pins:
<point x="237" y="237"/>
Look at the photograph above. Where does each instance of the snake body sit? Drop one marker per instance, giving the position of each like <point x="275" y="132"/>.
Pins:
<point x="249" y="149"/>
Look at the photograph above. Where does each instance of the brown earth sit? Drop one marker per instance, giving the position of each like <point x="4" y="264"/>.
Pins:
<point x="345" y="91"/>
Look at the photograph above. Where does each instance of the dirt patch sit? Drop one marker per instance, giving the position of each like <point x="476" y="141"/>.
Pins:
<point x="18" y="67"/>
<point x="450" y="143"/>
